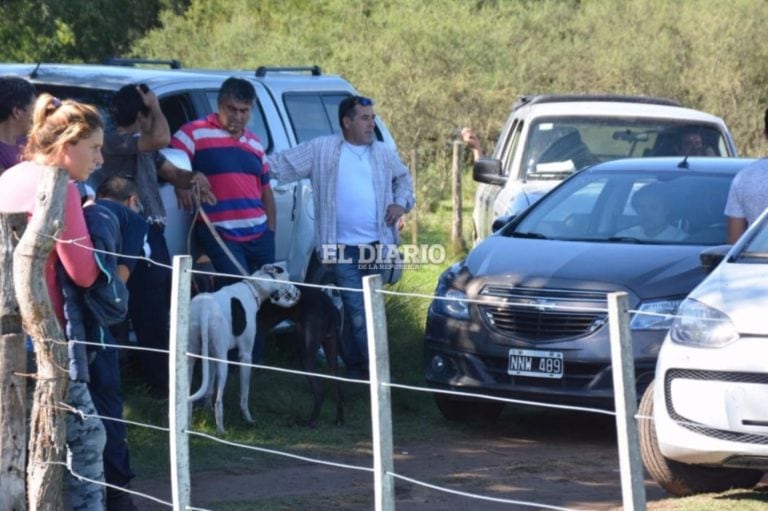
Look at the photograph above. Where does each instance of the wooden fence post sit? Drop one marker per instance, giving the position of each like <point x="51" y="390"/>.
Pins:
<point x="414" y="212"/>
<point x="47" y="429"/>
<point x="13" y="364"/>
<point x="457" y="236"/>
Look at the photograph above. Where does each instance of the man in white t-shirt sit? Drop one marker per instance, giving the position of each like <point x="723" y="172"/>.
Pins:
<point x="748" y="196"/>
<point x="361" y="190"/>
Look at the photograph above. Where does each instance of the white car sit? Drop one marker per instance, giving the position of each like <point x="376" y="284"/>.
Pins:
<point x="709" y="401"/>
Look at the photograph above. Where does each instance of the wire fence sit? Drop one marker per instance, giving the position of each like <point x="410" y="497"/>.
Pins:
<point x="382" y="467"/>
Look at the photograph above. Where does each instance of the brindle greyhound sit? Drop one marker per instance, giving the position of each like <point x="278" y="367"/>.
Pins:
<point x="317" y="324"/>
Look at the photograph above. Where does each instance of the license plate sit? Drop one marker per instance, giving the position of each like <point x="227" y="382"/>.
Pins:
<point x="536" y="363"/>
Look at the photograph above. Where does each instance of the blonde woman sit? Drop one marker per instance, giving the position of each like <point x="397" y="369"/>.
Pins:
<point x="67" y="135"/>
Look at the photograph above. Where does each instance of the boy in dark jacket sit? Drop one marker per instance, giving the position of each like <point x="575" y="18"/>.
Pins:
<point x="115" y="228"/>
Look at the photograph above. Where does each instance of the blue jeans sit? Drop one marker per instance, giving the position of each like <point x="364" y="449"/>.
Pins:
<point x="251" y="255"/>
<point x="350" y="274"/>
<point x="108" y="400"/>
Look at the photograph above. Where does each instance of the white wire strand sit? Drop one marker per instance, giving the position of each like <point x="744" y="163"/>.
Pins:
<point x="485" y="302"/>
<point x="279" y="453"/>
<point x="501" y="399"/>
<point x="479" y="497"/>
<point x="107" y="485"/>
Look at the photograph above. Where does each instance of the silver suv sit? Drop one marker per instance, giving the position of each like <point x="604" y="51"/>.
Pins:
<point x="294" y="105"/>
<point x="548" y="137"/>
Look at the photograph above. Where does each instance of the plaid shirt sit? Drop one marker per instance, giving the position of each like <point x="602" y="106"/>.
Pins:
<point x="318" y="160"/>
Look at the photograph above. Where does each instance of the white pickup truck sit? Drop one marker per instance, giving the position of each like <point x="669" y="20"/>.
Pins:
<point x="548" y="137"/>
<point x="294" y="105"/>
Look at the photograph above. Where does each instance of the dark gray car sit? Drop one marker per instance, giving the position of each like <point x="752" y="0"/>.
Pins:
<point x="526" y="311"/>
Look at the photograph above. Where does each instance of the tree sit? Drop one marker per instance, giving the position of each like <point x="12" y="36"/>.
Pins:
<point x="76" y="30"/>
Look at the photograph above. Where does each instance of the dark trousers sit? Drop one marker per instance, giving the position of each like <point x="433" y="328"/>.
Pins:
<point x="251" y="255"/>
<point x="108" y="400"/>
<point x="149" y="308"/>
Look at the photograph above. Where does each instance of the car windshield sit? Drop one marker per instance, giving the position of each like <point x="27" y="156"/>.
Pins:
<point x="559" y="146"/>
<point x="681" y="207"/>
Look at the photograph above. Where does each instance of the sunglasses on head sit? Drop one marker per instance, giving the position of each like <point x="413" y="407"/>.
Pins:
<point x="362" y="101"/>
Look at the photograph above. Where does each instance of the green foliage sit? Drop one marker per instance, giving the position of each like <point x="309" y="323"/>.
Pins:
<point x="434" y="66"/>
<point x="75" y="30"/>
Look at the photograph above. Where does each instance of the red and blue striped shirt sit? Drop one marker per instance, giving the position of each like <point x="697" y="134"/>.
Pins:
<point x="238" y="171"/>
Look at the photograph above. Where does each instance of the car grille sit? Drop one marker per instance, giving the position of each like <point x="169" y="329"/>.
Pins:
<point x="544" y="314"/>
<point x="724" y="376"/>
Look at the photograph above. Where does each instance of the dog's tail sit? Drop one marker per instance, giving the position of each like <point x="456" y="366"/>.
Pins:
<point x="206" y="366"/>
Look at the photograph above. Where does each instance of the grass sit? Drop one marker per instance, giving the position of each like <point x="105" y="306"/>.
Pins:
<point x="277" y="399"/>
<point x="741" y="500"/>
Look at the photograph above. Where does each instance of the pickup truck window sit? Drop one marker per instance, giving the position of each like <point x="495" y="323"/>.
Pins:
<point x="178" y="110"/>
<point x="313" y="115"/>
<point x="511" y="150"/>
<point x="96" y="97"/>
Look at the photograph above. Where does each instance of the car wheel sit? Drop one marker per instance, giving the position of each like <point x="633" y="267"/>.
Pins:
<point x="682" y="479"/>
<point x="461" y="410"/>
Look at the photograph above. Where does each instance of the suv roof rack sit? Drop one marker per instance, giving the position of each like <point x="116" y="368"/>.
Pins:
<point x="119" y="61"/>
<point x="263" y="70"/>
<point x="559" y="98"/>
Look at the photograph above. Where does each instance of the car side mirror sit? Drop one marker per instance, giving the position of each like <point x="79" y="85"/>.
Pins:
<point x="177" y="157"/>
<point x="488" y="170"/>
<point x="713" y="256"/>
<point x="501" y="222"/>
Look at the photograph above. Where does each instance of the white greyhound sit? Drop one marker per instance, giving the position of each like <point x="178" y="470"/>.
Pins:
<point x="226" y="319"/>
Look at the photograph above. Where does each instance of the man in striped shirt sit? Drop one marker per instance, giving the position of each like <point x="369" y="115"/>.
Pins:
<point x="233" y="159"/>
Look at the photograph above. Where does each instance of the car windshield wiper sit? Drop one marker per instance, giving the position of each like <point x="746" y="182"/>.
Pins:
<point x="532" y="235"/>
<point x="753" y="255"/>
<point x="627" y="239"/>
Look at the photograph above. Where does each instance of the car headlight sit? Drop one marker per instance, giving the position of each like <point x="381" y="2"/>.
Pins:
<point x="452" y="303"/>
<point x="702" y="326"/>
<point x="655" y="315"/>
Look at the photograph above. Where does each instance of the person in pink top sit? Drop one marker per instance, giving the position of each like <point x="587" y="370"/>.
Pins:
<point x="68" y="135"/>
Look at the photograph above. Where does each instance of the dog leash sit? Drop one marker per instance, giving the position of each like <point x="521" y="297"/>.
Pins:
<point x="207" y="221"/>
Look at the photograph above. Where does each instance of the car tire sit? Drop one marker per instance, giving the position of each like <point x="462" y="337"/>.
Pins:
<point x="682" y="479"/>
<point x="464" y="410"/>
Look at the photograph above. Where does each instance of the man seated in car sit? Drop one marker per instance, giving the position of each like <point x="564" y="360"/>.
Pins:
<point x="652" y="205"/>
<point x="692" y="144"/>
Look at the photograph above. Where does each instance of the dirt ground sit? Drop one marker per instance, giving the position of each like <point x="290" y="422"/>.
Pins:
<point x="561" y="461"/>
